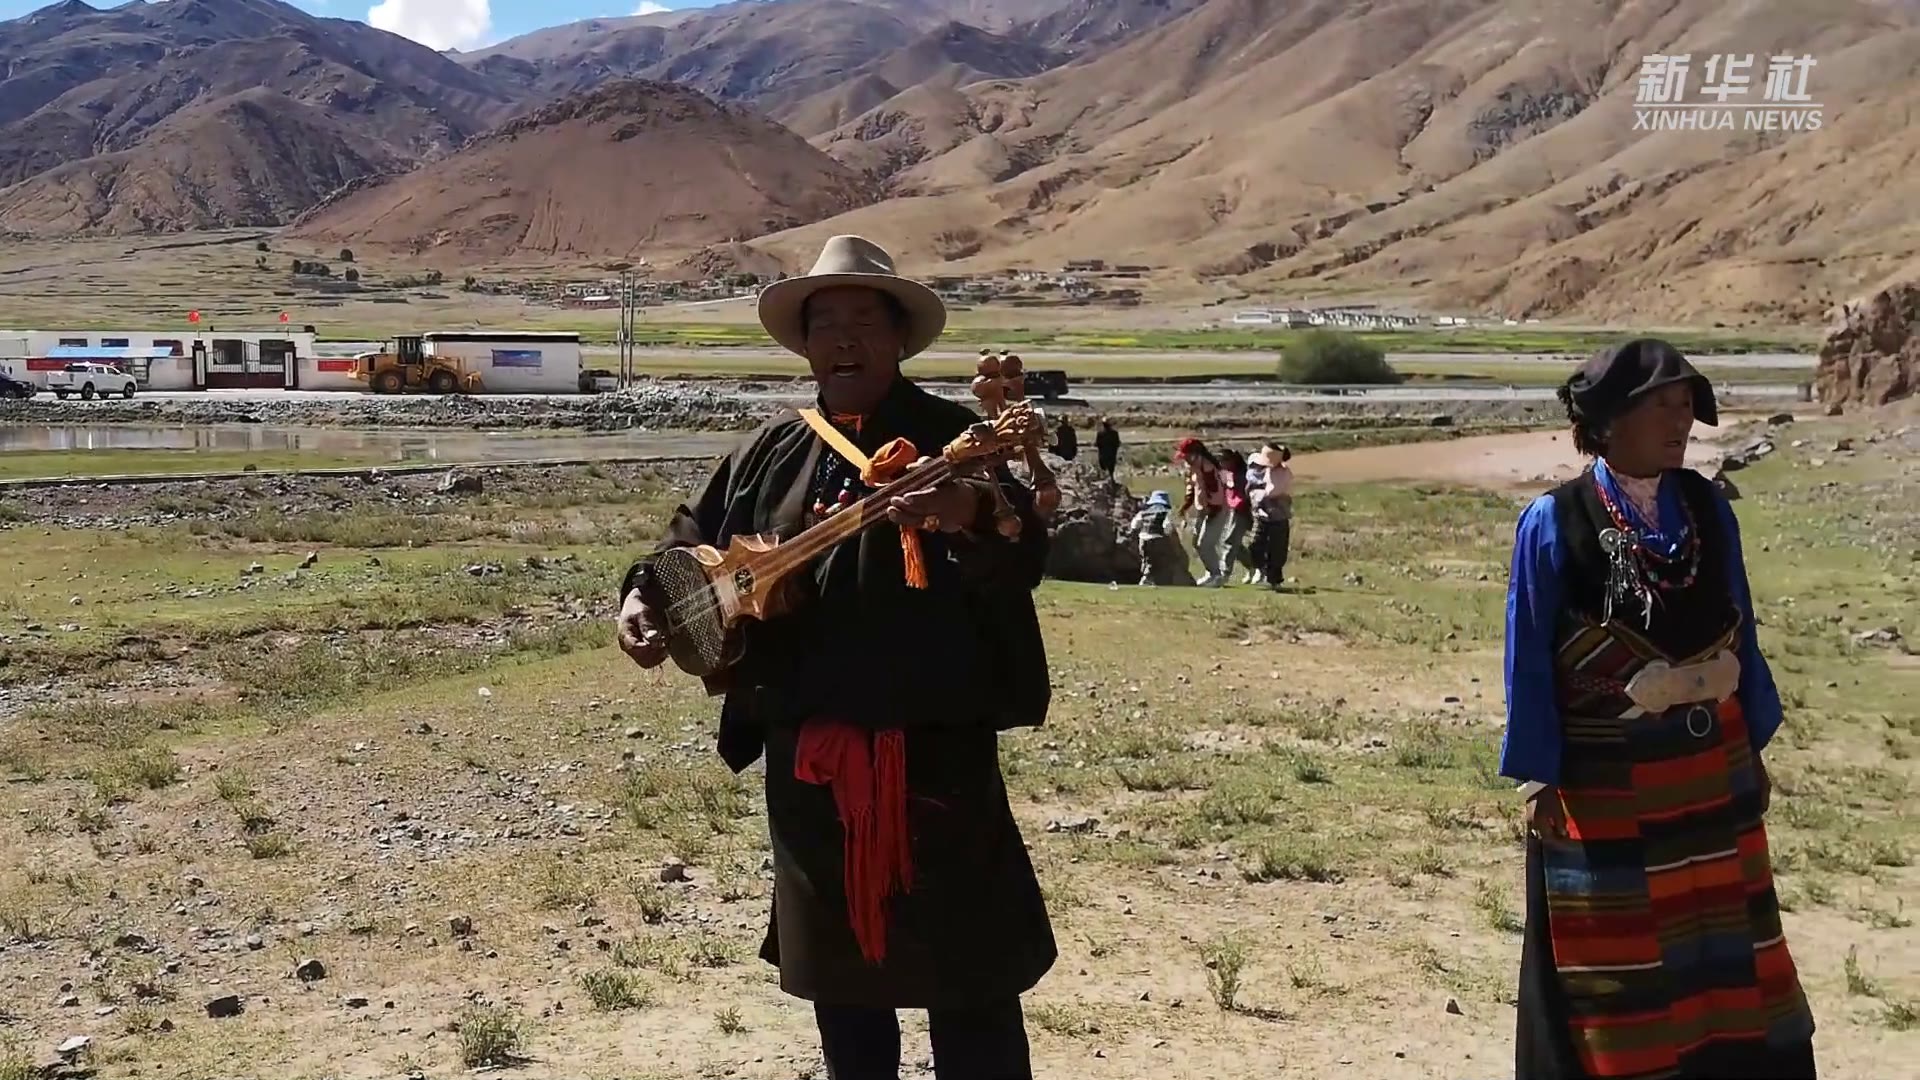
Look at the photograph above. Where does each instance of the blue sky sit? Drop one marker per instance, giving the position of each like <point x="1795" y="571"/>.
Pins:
<point x="463" y="24"/>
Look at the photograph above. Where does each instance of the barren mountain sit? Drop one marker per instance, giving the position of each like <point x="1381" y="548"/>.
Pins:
<point x="764" y="54"/>
<point x="776" y="56"/>
<point x="92" y="89"/>
<point x="951" y="56"/>
<point x="630" y="168"/>
<point x="252" y="158"/>
<point x="1476" y="153"/>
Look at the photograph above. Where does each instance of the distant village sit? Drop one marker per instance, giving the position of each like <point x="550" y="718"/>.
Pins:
<point x="1083" y="282"/>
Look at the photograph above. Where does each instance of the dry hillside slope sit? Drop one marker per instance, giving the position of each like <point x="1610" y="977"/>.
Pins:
<point x="952" y="55"/>
<point x="631" y="168"/>
<point x="1480" y="154"/>
<point x="252" y="158"/>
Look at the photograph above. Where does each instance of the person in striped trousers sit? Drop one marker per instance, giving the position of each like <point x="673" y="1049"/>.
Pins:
<point x="1639" y="709"/>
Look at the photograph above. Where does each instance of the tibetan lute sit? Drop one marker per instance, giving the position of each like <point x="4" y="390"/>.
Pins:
<point x="702" y="594"/>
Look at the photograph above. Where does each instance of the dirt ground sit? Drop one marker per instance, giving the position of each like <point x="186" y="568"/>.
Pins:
<point x="1522" y="459"/>
<point x="380" y="726"/>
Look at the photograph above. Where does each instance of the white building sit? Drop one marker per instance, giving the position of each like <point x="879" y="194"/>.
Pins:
<point x="513" y="362"/>
<point x="173" y="359"/>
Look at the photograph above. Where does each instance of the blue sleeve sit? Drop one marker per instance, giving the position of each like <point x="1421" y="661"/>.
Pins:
<point x="1530" y="750"/>
<point x="1759" y="697"/>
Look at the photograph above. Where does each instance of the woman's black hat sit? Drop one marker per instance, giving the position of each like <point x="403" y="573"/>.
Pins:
<point x="1609" y="383"/>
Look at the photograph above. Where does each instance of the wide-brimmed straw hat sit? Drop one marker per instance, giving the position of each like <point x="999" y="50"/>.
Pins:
<point x="1270" y="456"/>
<point x="850" y="260"/>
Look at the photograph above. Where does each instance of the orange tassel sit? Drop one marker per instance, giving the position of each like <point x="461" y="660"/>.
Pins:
<point x="915" y="558"/>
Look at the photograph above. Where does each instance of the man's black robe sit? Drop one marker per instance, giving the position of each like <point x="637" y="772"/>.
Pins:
<point x="951" y="665"/>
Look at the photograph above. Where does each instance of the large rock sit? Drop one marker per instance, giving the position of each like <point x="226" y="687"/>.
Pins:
<point x="1089" y="538"/>
<point x="1170" y="563"/>
<point x="1088" y="542"/>
<point x="1874" y="356"/>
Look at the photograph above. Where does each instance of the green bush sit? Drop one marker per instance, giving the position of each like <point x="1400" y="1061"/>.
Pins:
<point x="1330" y="356"/>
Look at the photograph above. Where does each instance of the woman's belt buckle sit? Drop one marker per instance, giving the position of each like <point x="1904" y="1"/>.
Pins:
<point x="1660" y="686"/>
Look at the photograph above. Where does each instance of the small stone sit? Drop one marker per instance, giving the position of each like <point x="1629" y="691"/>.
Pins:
<point x="227" y="1005"/>
<point x="312" y="557"/>
<point x="357" y="1002"/>
<point x="673" y="870"/>
<point x="460" y="926"/>
<point x="1453" y="1007"/>
<point x="70" y="1001"/>
<point x="310" y="970"/>
<point x="255" y="942"/>
<point x="73" y="1046"/>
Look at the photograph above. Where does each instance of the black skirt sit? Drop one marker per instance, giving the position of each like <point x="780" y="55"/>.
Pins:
<point x="1543" y="1045"/>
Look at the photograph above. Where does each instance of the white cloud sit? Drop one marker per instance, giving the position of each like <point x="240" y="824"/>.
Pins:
<point x="648" y="7"/>
<point x="437" y="24"/>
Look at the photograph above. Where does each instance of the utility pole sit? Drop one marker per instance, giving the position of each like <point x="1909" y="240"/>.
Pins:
<point x="626" y="328"/>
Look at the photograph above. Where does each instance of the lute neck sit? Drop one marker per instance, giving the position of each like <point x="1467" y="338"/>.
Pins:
<point x="850" y="522"/>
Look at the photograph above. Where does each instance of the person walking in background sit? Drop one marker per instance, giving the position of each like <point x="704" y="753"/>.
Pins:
<point x="1639" y="708"/>
<point x="1272" y="514"/>
<point x="1233" y="483"/>
<point x="1206" y="499"/>
<point x="1106" y="447"/>
<point x="1066" y="443"/>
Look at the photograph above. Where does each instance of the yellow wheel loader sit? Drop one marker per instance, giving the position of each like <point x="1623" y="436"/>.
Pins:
<point x="408" y="367"/>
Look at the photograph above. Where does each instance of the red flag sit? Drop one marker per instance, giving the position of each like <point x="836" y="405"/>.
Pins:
<point x="193" y="316"/>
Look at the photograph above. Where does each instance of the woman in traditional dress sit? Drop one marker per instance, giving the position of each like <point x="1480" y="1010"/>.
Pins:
<point x="1638" y="707"/>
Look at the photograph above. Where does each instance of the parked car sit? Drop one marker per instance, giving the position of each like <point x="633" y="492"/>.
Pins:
<point x="598" y="380"/>
<point x="11" y="387"/>
<point x="90" y="380"/>
<point x="1047" y="385"/>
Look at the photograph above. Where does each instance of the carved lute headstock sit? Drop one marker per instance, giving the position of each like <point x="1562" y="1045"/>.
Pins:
<point x="1000" y="383"/>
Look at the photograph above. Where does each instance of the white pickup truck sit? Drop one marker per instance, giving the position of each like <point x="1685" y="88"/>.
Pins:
<point x="90" y="381"/>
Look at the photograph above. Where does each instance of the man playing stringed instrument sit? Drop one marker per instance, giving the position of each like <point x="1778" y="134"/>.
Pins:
<point x="877" y="690"/>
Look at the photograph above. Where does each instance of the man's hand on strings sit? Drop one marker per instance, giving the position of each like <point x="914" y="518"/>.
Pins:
<point x="642" y="632"/>
<point x="955" y="505"/>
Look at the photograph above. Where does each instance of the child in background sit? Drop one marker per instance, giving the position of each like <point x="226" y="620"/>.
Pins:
<point x="1150" y="524"/>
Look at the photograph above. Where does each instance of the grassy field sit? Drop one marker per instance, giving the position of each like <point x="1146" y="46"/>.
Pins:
<point x="122" y="283"/>
<point x="1091" y="368"/>
<point x="1225" y="339"/>
<point x="255" y="724"/>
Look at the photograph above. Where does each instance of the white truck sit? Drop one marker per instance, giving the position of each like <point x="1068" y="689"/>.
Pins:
<point x="90" y="380"/>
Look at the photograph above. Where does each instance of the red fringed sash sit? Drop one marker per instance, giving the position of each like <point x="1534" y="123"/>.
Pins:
<point x="869" y="780"/>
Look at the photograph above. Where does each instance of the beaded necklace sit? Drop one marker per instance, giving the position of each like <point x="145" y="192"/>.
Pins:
<point x="836" y="483"/>
<point x="1639" y="570"/>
